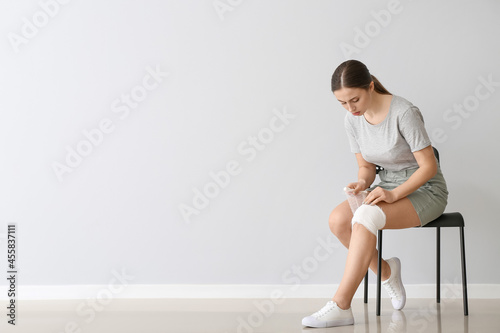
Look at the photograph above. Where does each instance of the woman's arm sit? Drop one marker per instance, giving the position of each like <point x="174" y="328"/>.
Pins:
<point x="366" y="175"/>
<point x="427" y="169"/>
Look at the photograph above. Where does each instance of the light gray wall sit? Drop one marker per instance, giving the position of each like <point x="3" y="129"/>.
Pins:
<point x="231" y="70"/>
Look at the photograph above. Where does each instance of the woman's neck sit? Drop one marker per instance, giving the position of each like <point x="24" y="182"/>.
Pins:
<point x="378" y="105"/>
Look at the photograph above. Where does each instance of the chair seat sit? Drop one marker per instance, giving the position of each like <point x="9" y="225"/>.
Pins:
<point x="446" y="220"/>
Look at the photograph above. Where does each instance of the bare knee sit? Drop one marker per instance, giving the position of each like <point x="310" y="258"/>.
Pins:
<point x="340" y="223"/>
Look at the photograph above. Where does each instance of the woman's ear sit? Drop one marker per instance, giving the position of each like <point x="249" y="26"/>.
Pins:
<point x="371" y="88"/>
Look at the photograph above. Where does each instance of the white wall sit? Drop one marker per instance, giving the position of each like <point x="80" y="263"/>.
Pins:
<point x="229" y="74"/>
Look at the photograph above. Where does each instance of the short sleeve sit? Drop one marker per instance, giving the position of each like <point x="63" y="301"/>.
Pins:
<point x="412" y="128"/>
<point x="353" y="143"/>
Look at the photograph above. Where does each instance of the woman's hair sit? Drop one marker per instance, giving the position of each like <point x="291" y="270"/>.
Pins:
<point x="354" y="74"/>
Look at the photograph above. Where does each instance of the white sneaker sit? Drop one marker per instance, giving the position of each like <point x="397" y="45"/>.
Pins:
<point x="330" y="315"/>
<point x="394" y="285"/>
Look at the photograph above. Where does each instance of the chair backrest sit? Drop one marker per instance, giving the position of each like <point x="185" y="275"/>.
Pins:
<point x="378" y="168"/>
<point x="436" y="153"/>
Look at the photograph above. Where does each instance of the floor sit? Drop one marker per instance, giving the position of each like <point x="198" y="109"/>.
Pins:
<point x="244" y="316"/>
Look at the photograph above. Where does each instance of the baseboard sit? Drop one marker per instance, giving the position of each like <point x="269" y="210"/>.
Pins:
<point x="135" y="291"/>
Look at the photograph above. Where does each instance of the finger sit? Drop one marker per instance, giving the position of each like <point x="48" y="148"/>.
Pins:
<point x="357" y="189"/>
<point x="349" y="191"/>
<point x="368" y="199"/>
<point x="379" y="199"/>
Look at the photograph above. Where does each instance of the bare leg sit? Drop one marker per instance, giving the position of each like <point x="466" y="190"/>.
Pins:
<point x="340" y="225"/>
<point x="361" y="250"/>
<point x="399" y="215"/>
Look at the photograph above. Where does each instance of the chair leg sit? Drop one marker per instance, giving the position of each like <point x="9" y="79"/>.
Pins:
<point x="464" y="275"/>
<point x="366" y="287"/>
<point x="438" y="265"/>
<point x="379" y="270"/>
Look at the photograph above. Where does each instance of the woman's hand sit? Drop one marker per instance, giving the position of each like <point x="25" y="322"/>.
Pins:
<point x="358" y="186"/>
<point x="379" y="194"/>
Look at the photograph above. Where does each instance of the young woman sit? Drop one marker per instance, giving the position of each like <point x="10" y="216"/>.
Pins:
<point x="385" y="130"/>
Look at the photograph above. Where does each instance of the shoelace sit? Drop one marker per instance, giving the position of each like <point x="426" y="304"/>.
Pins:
<point x="324" y="310"/>
<point x="391" y="290"/>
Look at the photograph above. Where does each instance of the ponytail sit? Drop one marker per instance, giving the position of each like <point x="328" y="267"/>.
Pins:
<point x="379" y="87"/>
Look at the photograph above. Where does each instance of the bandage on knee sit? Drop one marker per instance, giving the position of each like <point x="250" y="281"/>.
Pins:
<point x="371" y="217"/>
<point x="355" y="201"/>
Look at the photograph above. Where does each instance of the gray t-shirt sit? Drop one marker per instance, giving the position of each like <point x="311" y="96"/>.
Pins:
<point x="391" y="143"/>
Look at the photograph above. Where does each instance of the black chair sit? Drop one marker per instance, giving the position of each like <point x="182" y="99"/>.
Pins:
<point x="446" y="220"/>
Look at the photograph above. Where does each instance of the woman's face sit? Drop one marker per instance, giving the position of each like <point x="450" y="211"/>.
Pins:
<point x="355" y="100"/>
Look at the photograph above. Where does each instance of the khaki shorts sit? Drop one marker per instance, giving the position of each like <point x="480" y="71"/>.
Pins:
<point x="429" y="200"/>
